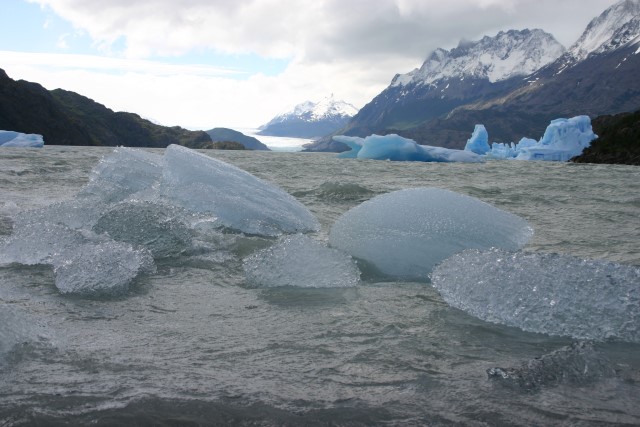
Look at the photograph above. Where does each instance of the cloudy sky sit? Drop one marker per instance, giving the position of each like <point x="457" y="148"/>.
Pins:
<point x="236" y="63"/>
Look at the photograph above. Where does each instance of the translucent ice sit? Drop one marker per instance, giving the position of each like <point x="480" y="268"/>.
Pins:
<point x="100" y="269"/>
<point x="394" y="147"/>
<point x="17" y="139"/>
<point x="300" y="261"/>
<point x="577" y="364"/>
<point x="126" y="171"/>
<point x="545" y="293"/>
<point x="405" y="233"/>
<point x="479" y="141"/>
<point x="241" y="201"/>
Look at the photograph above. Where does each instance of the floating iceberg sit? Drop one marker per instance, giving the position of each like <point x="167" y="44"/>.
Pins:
<point x="238" y="199"/>
<point x="562" y="140"/>
<point x="479" y="141"/>
<point x="16" y="139"/>
<point x="406" y="233"/>
<point x="301" y="262"/>
<point x="397" y="148"/>
<point x="545" y="293"/>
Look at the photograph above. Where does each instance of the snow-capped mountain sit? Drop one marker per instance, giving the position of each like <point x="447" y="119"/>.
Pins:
<point x="494" y="82"/>
<point x="508" y="54"/>
<point x="310" y="119"/>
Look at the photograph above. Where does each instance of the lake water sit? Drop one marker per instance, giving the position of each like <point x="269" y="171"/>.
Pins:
<point x="192" y="343"/>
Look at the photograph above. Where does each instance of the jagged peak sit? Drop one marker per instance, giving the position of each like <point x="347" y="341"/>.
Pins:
<point x="617" y="26"/>
<point x="507" y="54"/>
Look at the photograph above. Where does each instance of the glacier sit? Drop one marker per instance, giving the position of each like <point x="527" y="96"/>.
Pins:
<point x="405" y="233"/>
<point x="300" y="261"/>
<point x="138" y="207"/>
<point x="16" y="139"/>
<point x="554" y="294"/>
<point x="396" y="148"/>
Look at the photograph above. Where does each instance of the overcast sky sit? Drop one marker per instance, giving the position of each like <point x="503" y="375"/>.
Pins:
<point x="236" y="63"/>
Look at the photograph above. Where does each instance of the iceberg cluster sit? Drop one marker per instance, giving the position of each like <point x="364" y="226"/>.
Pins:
<point x="406" y="233"/>
<point x="138" y="206"/>
<point x="300" y="261"/>
<point x="563" y="139"/>
<point x="397" y="148"/>
<point x="16" y="139"/>
<point x="545" y="293"/>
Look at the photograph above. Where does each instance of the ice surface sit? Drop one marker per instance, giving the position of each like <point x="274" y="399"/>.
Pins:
<point x="394" y="147"/>
<point x="576" y="364"/>
<point x="125" y="172"/>
<point x="17" y="139"/>
<point x="545" y="293"/>
<point x="479" y="141"/>
<point x="158" y="227"/>
<point x="562" y="140"/>
<point x="301" y="262"/>
<point x="100" y="269"/>
<point x="406" y="233"/>
<point x="241" y="201"/>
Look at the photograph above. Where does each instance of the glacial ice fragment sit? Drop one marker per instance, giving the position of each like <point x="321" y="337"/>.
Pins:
<point x="300" y="261"/>
<point x="562" y="140"/>
<point x="479" y="141"/>
<point x="406" y="233"/>
<point x="99" y="269"/>
<point x="125" y="172"/>
<point x="238" y="199"/>
<point x="544" y="293"/>
<point x="16" y="139"/>
<point x="576" y="364"/>
<point x="397" y="148"/>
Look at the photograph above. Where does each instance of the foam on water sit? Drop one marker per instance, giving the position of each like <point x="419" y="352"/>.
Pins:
<point x="301" y="262"/>
<point x="406" y="233"/>
<point x="545" y="293"/>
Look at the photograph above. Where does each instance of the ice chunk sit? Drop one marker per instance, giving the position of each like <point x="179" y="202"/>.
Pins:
<point x="354" y="142"/>
<point x="125" y="172"/>
<point x="240" y="200"/>
<point x="157" y="227"/>
<point x="16" y="139"/>
<point x="405" y="233"/>
<point x="479" y="141"/>
<point x="545" y="293"/>
<point x="100" y="269"/>
<point x="577" y="364"/>
<point x="394" y="147"/>
<point x="563" y="139"/>
<point x="300" y="261"/>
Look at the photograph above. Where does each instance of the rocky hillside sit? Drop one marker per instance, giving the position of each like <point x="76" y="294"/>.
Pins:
<point x="230" y="135"/>
<point x="618" y="140"/>
<point x="66" y="118"/>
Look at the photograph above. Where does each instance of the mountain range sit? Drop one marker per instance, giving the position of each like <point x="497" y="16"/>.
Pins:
<point x="513" y="83"/>
<point x="310" y="119"/>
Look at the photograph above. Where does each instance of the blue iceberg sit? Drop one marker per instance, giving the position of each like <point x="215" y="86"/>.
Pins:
<point x="396" y="148"/>
<point x="405" y="233"/>
<point x="16" y="139"/>
<point x="479" y="141"/>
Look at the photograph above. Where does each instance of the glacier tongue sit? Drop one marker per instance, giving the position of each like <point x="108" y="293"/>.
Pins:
<point x="545" y="293"/>
<point x="406" y="233"/>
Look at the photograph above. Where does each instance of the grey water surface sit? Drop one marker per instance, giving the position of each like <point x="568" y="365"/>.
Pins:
<point x="193" y="344"/>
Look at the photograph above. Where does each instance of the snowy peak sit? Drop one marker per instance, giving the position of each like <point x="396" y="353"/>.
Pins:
<point x="327" y="108"/>
<point x="616" y="27"/>
<point x="508" y="54"/>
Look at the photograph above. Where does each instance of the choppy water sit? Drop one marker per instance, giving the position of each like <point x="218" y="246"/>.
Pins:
<point x="193" y="344"/>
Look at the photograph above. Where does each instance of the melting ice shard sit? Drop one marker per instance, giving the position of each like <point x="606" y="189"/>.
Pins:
<point x="16" y="139"/>
<point x="406" y="233"/>
<point x="241" y="201"/>
<point x="301" y="262"/>
<point x="394" y="147"/>
<point x="545" y="293"/>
